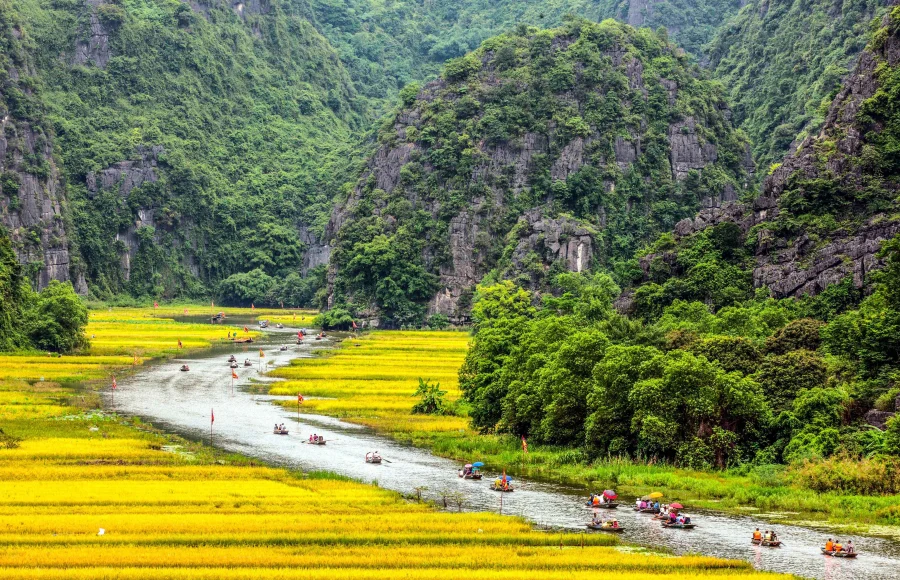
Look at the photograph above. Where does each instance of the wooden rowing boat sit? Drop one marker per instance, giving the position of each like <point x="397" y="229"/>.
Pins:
<point x="766" y="543"/>
<point x="507" y="489"/>
<point x="280" y="431"/>
<point x="679" y="526"/>
<point x="647" y="510"/>
<point x="605" y="506"/>
<point x="475" y="475"/>
<point x="603" y="528"/>
<point x="243" y="340"/>
<point x="841" y="554"/>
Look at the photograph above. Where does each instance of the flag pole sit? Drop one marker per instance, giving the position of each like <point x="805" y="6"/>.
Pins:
<point x="212" y="419"/>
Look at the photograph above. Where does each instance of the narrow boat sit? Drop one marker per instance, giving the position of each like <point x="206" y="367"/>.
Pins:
<point x="679" y="526"/>
<point x="647" y="510"/>
<point x="506" y="489"/>
<point x="232" y="359"/>
<point x="184" y="368"/>
<point x="604" y="506"/>
<point x="247" y="363"/>
<point x="766" y="543"/>
<point x="284" y="347"/>
<point x="234" y="365"/>
<point x="244" y="340"/>
<point x="373" y="458"/>
<point x="280" y="431"/>
<point x="603" y="528"/>
<point x="279" y="325"/>
<point x="471" y="470"/>
<point x="839" y="554"/>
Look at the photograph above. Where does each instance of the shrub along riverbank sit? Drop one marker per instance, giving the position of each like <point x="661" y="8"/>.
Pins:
<point x="88" y="494"/>
<point x="373" y="379"/>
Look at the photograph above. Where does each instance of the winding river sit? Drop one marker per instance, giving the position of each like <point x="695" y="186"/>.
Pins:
<point x="181" y="402"/>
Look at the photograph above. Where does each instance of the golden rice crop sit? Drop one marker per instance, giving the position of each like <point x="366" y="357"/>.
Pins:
<point x="372" y="379"/>
<point x="180" y="516"/>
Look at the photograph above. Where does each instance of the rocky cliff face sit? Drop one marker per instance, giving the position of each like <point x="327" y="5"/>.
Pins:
<point x="32" y="198"/>
<point x="563" y="171"/>
<point x="823" y="214"/>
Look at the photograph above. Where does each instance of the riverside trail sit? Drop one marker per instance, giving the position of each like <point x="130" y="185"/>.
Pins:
<point x="181" y="402"/>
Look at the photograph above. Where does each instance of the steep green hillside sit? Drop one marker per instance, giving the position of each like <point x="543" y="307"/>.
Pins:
<point x="385" y="45"/>
<point x="573" y="146"/>
<point x="781" y="62"/>
<point x="820" y="219"/>
<point x="709" y="374"/>
<point x="195" y="143"/>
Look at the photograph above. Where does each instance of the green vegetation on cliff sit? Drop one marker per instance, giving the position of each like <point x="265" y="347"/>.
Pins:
<point x="386" y="45"/>
<point x="602" y="131"/>
<point x="233" y="123"/>
<point x="781" y="62"/>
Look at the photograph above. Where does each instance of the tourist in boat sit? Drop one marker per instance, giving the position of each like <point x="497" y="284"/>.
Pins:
<point x="829" y="545"/>
<point x="838" y="546"/>
<point x="767" y="535"/>
<point x="773" y="537"/>
<point x="596" y="520"/>
<point x="615" y="523"/>
<point x="850" y="549"/>
<point x="757" y="535"/>
<point x="597" y="500"/>
<point x="637" y="504"/>
<point x="656" y="505"/>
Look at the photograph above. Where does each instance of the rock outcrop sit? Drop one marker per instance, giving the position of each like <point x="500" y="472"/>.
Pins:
<point x="522" y="177"/>
<point x="796" y="261"/>
<point x="93" y="46"/>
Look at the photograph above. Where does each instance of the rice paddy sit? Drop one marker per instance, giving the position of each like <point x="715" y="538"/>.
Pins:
<point x="92" y="495"/>
<point x="372" y="380"/>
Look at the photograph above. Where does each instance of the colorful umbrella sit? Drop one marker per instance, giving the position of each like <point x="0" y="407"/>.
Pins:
<point x="676" y="506"/>
<point x="655" y="495"/>
<point x="478" y="464"/>
<point x="508" y="478"/>
<point x="610" y="494"/>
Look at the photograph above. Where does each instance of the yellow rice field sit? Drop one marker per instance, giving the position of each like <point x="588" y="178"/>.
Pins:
<point x="372" y="379"/>
<point x="87" y="495"/>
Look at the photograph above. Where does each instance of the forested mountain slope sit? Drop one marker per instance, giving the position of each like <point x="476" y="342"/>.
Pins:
<point x="822" y="215"/>
<point x="573" y="146"/>
<point x="709" y="373"/>
<point x="386" y="45"/>
<point x="781" y="62"/>
<point x="196" y="141"/>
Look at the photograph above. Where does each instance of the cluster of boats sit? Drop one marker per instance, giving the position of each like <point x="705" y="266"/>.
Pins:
<point x="502" y="483"/>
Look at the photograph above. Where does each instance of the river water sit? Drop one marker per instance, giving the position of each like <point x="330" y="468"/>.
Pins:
<point x="182" y="402"/>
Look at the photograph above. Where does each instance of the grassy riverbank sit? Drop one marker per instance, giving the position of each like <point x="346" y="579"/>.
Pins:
<point x="85" y="494"/>
<point x="372" y="380"/>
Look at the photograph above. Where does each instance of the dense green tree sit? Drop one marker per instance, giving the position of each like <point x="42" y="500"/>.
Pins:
<point x="55" y="318"/>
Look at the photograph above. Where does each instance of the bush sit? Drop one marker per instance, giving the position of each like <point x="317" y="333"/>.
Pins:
<point x="254" y="287"/>
<point x="431" y="400"/>
<point x="334" y="319"/>
<point x="56" y="318"/>
<point x="438" y="322"/>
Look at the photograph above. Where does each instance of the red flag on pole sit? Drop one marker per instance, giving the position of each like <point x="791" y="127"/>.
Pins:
<point x="212" y="417"/>
<point x="156" y="305"/>
<point x="252" y="307"/>
<point x="524" y="445"/>
<point x="234" y="375"/>
<point x="245" y="329"/>
<point x="299" y="398"/>
<point x="179" y="344"/>
<point x="354" y="324"/>
<point x="114" y="385"/>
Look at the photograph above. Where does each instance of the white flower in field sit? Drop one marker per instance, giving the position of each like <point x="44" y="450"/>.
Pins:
<point x="101" y="532"/>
